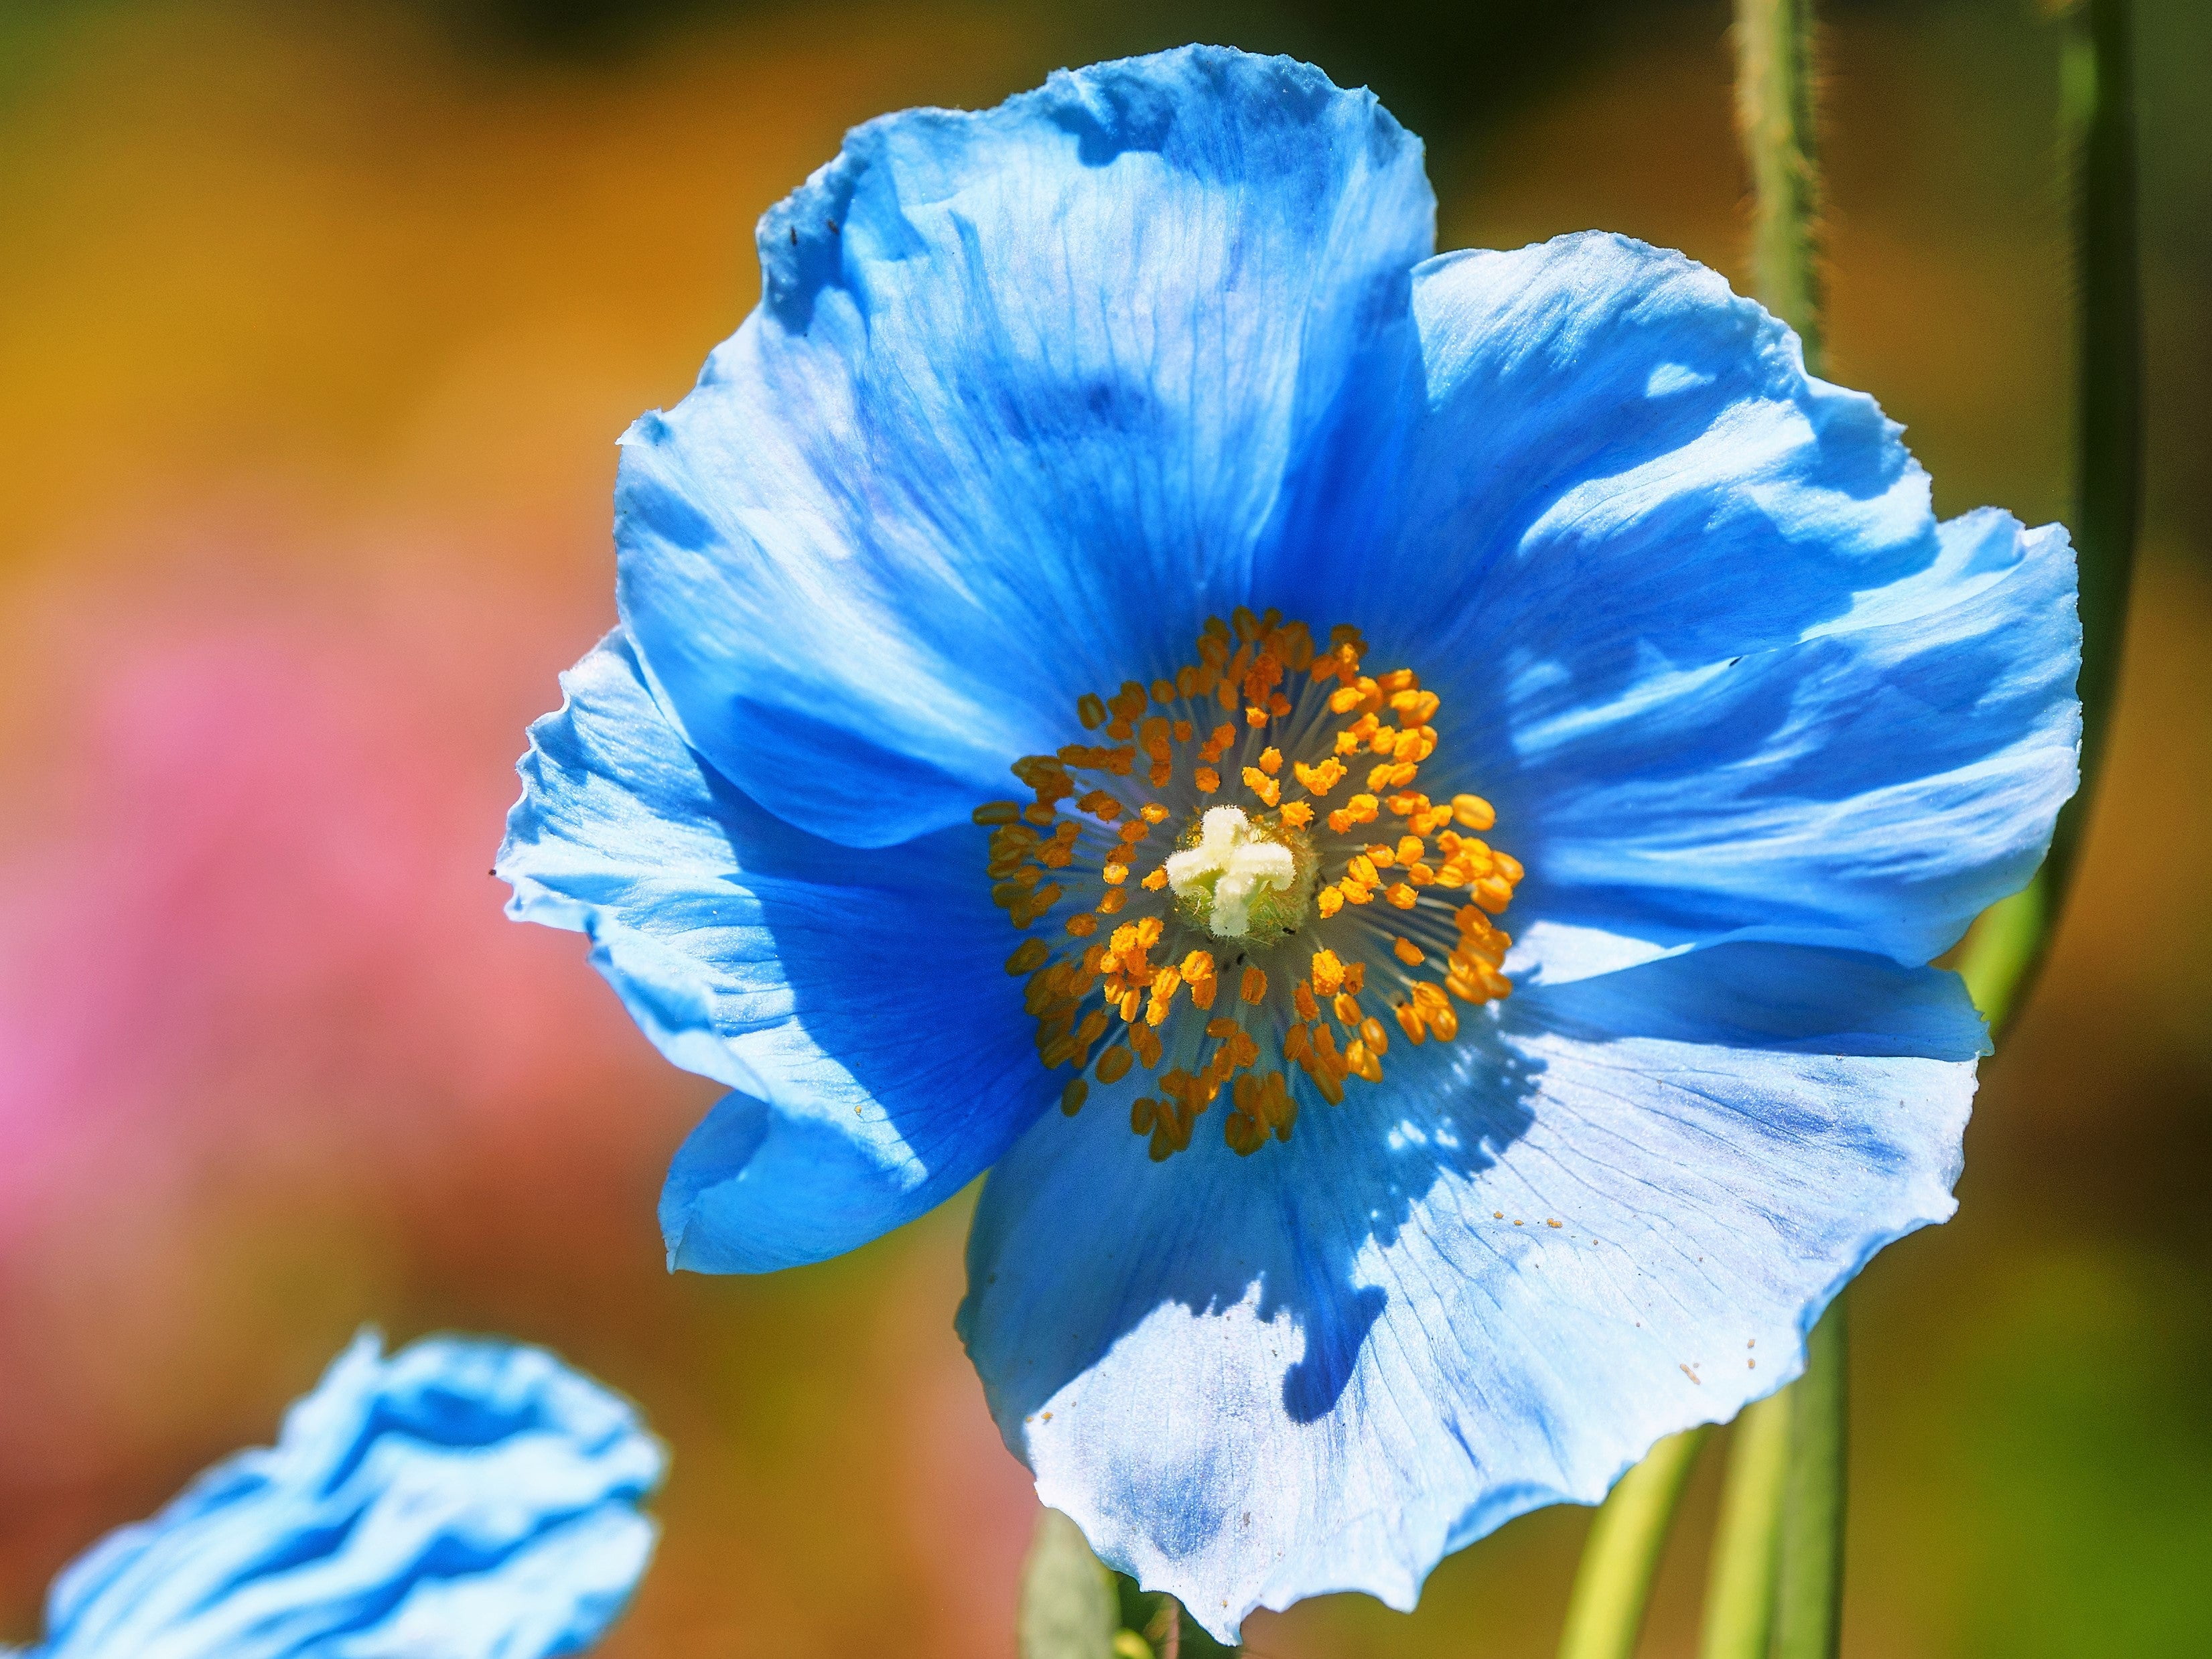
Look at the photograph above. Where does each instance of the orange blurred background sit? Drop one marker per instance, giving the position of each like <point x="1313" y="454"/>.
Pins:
<point x="317" y="326"/>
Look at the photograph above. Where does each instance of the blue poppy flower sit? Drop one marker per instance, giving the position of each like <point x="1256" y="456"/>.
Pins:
<point x="1497" y="744"/>
<point x="469" y="1499"/>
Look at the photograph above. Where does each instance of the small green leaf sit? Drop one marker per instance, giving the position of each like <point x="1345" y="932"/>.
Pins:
<point x="1068" y="1607"/>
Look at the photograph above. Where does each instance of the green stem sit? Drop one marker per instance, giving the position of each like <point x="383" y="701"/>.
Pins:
<point x="2000" y="953"/>
<point x="1739" y="1585"/>
<point x="2096" y="116"/>
<point x="1809" y="1576"/>
<point x="1605" y="1613"/>
<point x="2097" y="112"/>
<point x="1775" y="116"/>
<point x="1778" y="1563"/>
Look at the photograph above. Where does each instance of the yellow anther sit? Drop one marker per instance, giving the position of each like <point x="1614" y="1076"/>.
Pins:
<point x="1153" y="813"/>
<point x="1082" y="925"/>
<point x="1355" y="892"/>
<point x="1509" y="866"/>
<point x="1134" y="831"/>
<point x="1146" y="1042"/>
<point x="1165" y="983"/>
<point x="1302" y="998"/>
<point x="1346" y="1007"/>
<point x="1355" y="977"/>
<point x="1133" y="1004"/>
<point x="1072" y="1097"/>
<point x="1093" y="1028"/>
<point x="1402" y="894"/>
<point x="1113" y="874"/>
<point x="1220" y="1028"/>
<point x="1327" y="902"/>
<point x="1202" y="991"/>
<point x="1410" y="849"/>
<point x="1254" y="988"/>
<point x="1197" y="966"/>
<point x="1492" y="893"/>
<point x="1206" y="780"/>
<point x="1100" y="804"/>
<point x="1345" y="699"/>
<point x="1045" y="897"/>
<point x="1408" y="952"/>
<point x="1297" y="815"/>
<point x="1028" y="956"/>
<point x="1362" y="808"/>
<point x="997" y="811"/>
<point x="1039" y="811"/>
<point x="1091" y="709"/>
<point x="1296" y="1045"/>
<point x="1113" y="1065"/>
<point x="1414" y="710"/>
<point x="1328" y="973"/>
<point x="1361" y="1063"/>
<point x="1381" y="857"/>
<point x="1270" y="761"/>
<point x="1472" y="812"/>
<point x="1262" y="785"/>
<point x="1156" y="880"/>
<point x="1318" y="780"/>
<point x="1255" y="715"/>
<point x="1111" y="905"/>
<point x="1411" y="1022"/>
<point x="1398" y="680"/>
<point x="1187" y="679"/>
<point x="1361" y="868"/>
<point x="1372" y="1034"/>
<point x="1143" y="1110"/>
<point x="1421" y="876"/>
<point x="1149" y="931"/>
<point x="1164" y="691"/>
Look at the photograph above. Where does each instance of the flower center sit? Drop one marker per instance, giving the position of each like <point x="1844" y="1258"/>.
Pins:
<point x="1276" y="897"/>
<point x="1239" y="880"/>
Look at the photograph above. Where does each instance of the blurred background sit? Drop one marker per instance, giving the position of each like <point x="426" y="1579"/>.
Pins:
<point x="317" y="322"/>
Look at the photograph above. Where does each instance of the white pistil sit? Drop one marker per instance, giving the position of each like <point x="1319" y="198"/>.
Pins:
<point x="1231" y="865"/>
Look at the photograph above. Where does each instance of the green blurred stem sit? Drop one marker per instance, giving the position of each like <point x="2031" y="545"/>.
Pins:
<point x="1605" y="1613"/>
<point x="1775" y="115"/>
<point x="1740" y="1582"/>
<point x="2096" y="113"/>
<point x="1809" y="1574"/>
<point x="2001" y="951"/>
<point x="1777" y="1570"/>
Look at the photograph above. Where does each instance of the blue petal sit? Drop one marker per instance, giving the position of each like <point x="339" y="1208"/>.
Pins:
<point x="1700" y="638"/>
<point x="1322" y="1367"/>
<point x="473" y="1500"/>
<point x="1019" y="399"/>
<point x="805" y="975"/>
